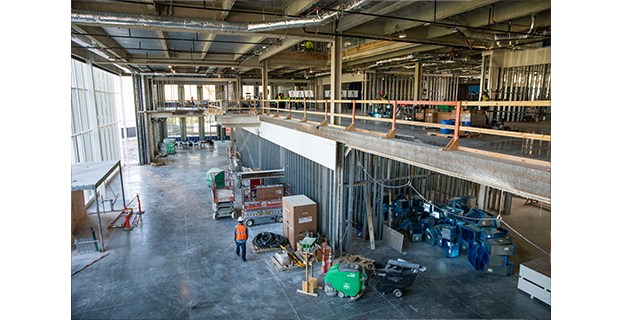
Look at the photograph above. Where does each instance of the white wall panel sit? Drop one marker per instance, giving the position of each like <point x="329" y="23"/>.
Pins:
<point x="319" y="150"/>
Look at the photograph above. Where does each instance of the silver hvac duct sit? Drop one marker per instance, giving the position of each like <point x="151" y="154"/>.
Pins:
<point x="320" y="19"/>
<point x="190" y="25"/>
<point x="518" y="37"/>
<point x="495" y="37"/>
<point x="152" y="22"/>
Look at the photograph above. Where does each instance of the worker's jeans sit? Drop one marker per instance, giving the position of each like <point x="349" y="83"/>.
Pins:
<point x="241" y="244"/>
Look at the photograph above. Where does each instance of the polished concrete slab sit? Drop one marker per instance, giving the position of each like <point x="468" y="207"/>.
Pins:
<point x="179" y="263"/>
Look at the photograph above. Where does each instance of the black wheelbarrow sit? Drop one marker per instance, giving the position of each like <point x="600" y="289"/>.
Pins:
<point x="395" y="276"/>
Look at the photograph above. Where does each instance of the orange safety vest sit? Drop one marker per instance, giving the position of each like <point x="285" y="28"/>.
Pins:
<point x="240" y="232"/>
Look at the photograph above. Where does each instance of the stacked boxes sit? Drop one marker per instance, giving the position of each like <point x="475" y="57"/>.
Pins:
<point x="299" y="217"/>
<point x="499" y="250"/>
<point x="449" y="234"/>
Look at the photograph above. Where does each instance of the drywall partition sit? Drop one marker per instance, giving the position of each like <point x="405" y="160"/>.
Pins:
<point x="317" y="149"/>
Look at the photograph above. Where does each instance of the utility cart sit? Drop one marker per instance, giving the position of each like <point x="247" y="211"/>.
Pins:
<point x="262" y="203"/>
<point x="222" y="185"/>
<point x="396" y="276"/>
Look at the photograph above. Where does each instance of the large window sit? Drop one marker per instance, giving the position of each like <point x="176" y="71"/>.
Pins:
<point x="171" y="92"/>
<point x="249" y="92"/>
<point x="192" y="126"/>
<point x="190" y="92"/>
<point x="209" y="92"/>
<point x="94" y="126"/>
<point x="173" y="127"/>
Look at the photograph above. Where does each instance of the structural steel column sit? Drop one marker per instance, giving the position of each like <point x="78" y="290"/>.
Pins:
<point x="417" y="82"/>
<point x="93" y="122"/>
<point x="335" y="78"/>
<point x="201" y="118"/>
<point x="264" y="83"/>
<point x="350" y="200"/>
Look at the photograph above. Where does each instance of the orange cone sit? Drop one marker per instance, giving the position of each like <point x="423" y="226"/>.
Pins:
<point x="127" y="226"/>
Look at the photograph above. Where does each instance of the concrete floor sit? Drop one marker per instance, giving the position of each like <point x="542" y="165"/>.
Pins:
<point x="180" y="264"/>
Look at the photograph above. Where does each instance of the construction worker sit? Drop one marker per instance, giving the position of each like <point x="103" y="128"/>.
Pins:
<point x="240" y="236"/>
<point x="309" y="46"/>
<point x="485" y="97"/>
<point x="386" y="109"/>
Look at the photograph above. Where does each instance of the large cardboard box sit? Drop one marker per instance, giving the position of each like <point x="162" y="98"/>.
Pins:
<point x="446" y="116"/>
<point x="299" y="216"/>
<point x="271" y="192"/>
<point x="431" y="116"/>
<point x="476" y="117"/>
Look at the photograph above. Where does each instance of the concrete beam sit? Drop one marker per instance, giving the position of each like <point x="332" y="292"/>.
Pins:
<point x="384" y="7"/>
<point x="244" y="49"/>
<point x="296" y="7"/>
<point x="285" y="44"/>
<point x="237" y="121"/>
<point x="444" y="10"/>
<point x="525" y="180"/>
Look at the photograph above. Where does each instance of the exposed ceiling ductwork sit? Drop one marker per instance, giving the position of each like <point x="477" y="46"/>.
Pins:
<point x="191" y="25"/>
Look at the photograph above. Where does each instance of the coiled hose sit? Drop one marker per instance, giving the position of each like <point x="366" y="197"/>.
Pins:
<point x="269" y="240"/>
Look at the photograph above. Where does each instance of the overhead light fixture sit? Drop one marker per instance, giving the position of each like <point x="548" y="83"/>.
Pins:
<point x="400" y="31"/>
<point x="126" y="70"/>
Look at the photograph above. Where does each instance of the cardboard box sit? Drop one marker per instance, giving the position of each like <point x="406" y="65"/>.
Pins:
<point x="420" y="116"/>
<point x="446" y="116"/>
<point x="271" y="192"/>
<point x="299" y="216"/>
<point x="431" y="116"/>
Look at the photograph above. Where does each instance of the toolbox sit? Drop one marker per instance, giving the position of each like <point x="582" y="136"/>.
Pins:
<point x="500" y="247"/>
<point x="500" y="261"/>
<point x="500" y="270"/>
<point x="448" y="232"/>
<point x="453" y="250"/>
<point x="417" y="237"/>
<point x="470" y="232"/>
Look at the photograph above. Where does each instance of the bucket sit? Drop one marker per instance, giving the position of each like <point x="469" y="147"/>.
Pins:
<point x="449" y="122"/>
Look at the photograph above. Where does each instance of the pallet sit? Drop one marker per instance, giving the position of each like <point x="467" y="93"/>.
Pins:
<point x="451" y="135"/>
<point x="281" y="267"/>
<point x="364" y="262"/>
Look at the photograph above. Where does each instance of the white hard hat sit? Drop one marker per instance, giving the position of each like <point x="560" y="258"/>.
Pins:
<point x="240" y="219"/>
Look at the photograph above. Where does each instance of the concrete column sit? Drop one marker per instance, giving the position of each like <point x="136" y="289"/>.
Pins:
<point x="335" y="78"/>
<point x="180" y="94"/>
<point x="238" y="88"/>
<point x="182" y="126"/>
<point x="482" y="197"/>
